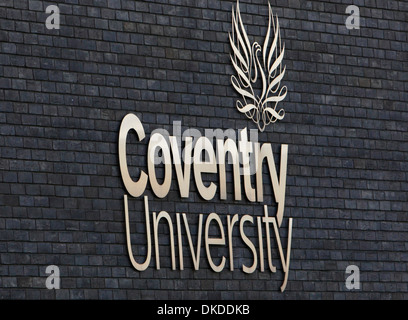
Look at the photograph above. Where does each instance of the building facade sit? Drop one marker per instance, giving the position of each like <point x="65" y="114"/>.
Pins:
<point x="69" y="77"/>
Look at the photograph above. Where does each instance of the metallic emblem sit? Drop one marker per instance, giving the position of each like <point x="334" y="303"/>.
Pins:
<point x="258" y="105"/>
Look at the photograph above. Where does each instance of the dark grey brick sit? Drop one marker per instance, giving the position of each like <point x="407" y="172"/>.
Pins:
<point x="65" y="92"/>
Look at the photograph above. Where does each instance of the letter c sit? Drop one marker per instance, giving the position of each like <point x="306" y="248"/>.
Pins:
<point x="131" y="121"/>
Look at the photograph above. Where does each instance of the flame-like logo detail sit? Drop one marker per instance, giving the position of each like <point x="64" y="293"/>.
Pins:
<point x="260" y="106"/>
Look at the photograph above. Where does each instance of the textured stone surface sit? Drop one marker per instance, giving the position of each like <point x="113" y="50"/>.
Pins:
<point x="63" y="94"/>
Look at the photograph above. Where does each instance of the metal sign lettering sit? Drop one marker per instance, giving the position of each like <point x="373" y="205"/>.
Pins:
<point x="247" y="158"/>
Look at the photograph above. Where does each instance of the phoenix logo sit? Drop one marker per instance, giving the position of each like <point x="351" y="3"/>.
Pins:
<point x="257" y="64"/>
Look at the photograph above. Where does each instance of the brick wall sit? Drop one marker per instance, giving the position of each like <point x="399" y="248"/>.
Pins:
<point x="63" y="94"/>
